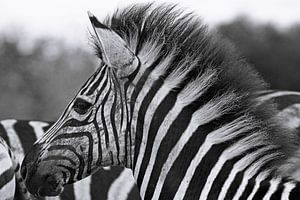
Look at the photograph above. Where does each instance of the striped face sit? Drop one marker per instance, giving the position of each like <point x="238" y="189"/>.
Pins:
<point x="90" y="132"/>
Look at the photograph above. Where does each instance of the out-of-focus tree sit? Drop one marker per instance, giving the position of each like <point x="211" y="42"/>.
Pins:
<point x="37" y="83"/>
<point x="274" y="52"/>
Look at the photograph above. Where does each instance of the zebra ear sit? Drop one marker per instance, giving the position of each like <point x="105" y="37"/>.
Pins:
<point x="114" y="50"/>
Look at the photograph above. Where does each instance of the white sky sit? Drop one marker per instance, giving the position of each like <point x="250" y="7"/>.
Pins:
<point x="67" y="19"/>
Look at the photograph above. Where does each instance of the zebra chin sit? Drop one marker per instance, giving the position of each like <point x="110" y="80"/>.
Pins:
<point x="40" y="179"/>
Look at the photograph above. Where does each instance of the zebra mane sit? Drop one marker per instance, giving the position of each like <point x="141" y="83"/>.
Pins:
<point x="185" y="47"/>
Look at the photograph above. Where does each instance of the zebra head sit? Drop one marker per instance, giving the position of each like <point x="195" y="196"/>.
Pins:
<point x="91" y="131"/>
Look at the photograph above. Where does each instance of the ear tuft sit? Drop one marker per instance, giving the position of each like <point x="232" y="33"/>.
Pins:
<point x="95" y="21"/>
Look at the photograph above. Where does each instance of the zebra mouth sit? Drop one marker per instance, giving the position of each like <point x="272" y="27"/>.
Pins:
<point x="50" y="186"/>
<point x="53" y="190"/>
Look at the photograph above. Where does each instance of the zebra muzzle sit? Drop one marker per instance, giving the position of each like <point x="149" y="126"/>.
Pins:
<point x="40" y="179"/>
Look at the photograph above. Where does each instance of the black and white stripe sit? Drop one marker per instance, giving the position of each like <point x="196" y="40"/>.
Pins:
<point x="178" y="106"/>
<point x="115" y="183"/>
<point x="7" y="171"/>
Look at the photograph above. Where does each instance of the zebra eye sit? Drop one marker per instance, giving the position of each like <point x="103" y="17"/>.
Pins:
<point x="81" y="106"/>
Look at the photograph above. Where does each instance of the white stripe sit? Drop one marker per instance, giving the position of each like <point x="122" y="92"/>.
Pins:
<point x="107" y="168"/>
<point x="82" y="189"/>
<point x="288" y="187"/>
<point x="261" y="177"/>
<point x="107" y="107"/>
<point x="157" y="72"/>
<point x="273" y="187"/>
<point x="222" y="134"/>
<point x="6" y="164"/>
<point x="250" y="173"/>
<point x="148" y="56"/>
<point x="276" y="94"/>
<point x="207" y="113"/>
<point x="89" y="84"/>
<point x="14" y="139"/>
<point x="291" y="116"/>
<point x="122" y="186"/>
<point x="235" y="150"/>
<point x="38" y="128"/>
<point x="5" y="159"/>
<point x="184" y="98"/>
<point x="240" y="166"/>
<point x="52" y="198"/>
<point x="159" y="137"/>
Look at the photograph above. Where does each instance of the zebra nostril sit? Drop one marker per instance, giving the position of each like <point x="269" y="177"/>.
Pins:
<point x="23" y="172"/>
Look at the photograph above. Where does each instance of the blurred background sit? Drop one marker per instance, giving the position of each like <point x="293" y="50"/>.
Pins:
<point x="45" y="55"/>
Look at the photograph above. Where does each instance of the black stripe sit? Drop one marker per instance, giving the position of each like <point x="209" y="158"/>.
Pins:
<point x="135" y="93"/>
<point x="72" y="149"/>
<point x="278" y="193"/>
<point x="295" y="193"/>
<point x="26" y="134"/>
<point x="222" y="176"/>
<point x="235" y="185"/>
<point x="59" y="157"/>
<point x="251" y="181"/>
<point x="75" y="123"/>
<point x="204" y="168"/>
<point x="179" y="167"/>
<point x="3" y="134"/>
<point x="140" y="126"/>
<point x="71" y="171"/>
<point x="103" y="117"/>
<point x="90" y="149"/>
<point x="263" y="189"/>
<point x="113" y="122"/>
<point x="96" y="84"/>
<point x="89" y="80"/>
<point x="102" y="88"/>
<point x="134" y="194"/>
<point x="104" y="178"/>
<point x="68" y="193"/>
<point x="128" y="135"/>
<point x="158" y="117"/>
<point x="99" y="161"/>
<point x="6" y="176"/>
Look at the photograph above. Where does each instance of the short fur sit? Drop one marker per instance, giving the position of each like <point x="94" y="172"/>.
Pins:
<point x="184" y="38"/>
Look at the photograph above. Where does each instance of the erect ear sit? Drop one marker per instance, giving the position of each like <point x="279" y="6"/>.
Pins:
<point x="115" y="52"/>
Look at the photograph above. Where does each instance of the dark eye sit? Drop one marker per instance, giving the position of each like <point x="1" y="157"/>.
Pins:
<point x="81" y="106"/>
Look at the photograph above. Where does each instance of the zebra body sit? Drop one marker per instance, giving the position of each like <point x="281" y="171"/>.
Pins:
<point x="176" y="105"/>
<point x="114" y="183"/>
<point x="7" y="172"/>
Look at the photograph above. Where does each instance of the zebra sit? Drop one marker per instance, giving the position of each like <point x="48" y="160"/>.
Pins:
<point x="177" y="105"/>
<point x="115" y="183"/>
<point x="289" y="111"/>
<point x="7" y="171"/>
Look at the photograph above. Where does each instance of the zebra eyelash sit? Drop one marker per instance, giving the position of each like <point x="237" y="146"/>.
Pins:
<point x="81" y="106"/>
